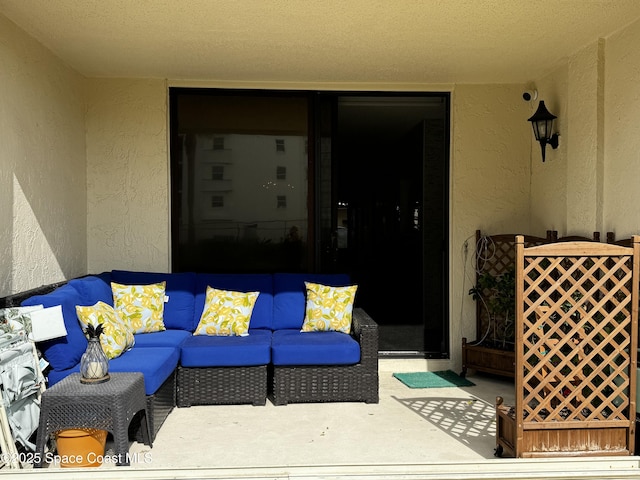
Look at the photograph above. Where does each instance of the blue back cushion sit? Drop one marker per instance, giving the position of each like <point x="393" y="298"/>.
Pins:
<point x="172" y="337"/>
<point x="64" y="352"/>
<point x="94" y="288"/>
<point x="178" y="311"/>
<point x="240" y="282"/>
<point x="290" y="295"/>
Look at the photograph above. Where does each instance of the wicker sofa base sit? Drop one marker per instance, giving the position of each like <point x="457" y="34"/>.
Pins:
<point x="340" y="383"/>
<point x="221" y="385"/>
<point x="159" y="406"/>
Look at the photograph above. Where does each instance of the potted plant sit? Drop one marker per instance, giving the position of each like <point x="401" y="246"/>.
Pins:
<point x="493" y="351"/>
<point x="497" y="297"/>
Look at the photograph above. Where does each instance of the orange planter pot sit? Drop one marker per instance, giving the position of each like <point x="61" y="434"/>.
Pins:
<point x="82" y="447"/>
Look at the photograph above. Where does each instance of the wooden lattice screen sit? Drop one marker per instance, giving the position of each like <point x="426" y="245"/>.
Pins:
<point x="496" y="255"/>
<point x="576" y="341"/>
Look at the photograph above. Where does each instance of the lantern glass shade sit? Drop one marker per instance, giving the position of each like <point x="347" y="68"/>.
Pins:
<point x="541" y="129"/>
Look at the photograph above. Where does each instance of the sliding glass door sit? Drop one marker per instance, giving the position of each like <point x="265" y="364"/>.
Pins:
<point x="265" y="181"/>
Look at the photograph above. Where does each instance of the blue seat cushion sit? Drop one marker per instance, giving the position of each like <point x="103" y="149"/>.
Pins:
<point x="155" y="363"/>
<point x="178" y="310"/>
<point x="165" y="338"/>
<point x="292" y="347"/>
<point x="94" y="288"/>
<point x="290" y="295"/>
<point x="241" y="282"/>
<point x="63" y="352"/>
<point x="233" y="351"/>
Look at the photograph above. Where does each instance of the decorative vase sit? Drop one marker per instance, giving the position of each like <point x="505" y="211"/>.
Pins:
<point x="94" y="364"/>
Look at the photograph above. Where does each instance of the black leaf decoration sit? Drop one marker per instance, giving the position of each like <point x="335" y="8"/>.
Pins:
<point x="94" y="331"/>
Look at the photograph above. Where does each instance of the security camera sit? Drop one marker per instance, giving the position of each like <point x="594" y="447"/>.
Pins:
<point x="529" y="95"/>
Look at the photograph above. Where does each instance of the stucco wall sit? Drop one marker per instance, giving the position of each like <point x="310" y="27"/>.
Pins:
<point x="42" y="165"/>
<point x="590" y="183"/>
<point x="127" y="175"/>
<point x="584" y="140"/>
<point x="622" y="133"/>
<point x="491" y="155"/>
<point x="567" y="189"/>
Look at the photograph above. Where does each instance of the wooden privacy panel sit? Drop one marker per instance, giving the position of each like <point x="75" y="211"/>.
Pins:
<point x="576" y="340"/>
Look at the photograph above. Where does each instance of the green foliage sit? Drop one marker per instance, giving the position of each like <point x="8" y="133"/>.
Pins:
<point x="498" y="293"/>
<point x="498" y="296"/>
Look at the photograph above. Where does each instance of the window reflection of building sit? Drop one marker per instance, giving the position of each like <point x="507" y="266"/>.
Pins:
<point x="248" y="186"/>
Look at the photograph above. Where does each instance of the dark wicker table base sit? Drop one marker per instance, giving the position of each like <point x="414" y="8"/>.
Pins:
<point x="106" y="406"/>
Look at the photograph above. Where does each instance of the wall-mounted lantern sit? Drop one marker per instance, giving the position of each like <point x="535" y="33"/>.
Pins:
<point x="542" y="123"/>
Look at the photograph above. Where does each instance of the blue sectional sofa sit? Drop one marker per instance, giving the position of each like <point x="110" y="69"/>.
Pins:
<point x="276" y="360"/>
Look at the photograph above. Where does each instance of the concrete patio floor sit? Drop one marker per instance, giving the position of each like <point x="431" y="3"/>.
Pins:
<point x="433" y="433"/>
<point x="407" y="426"/>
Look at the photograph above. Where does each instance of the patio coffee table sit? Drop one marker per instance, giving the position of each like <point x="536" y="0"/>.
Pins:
<point x="105" y="406"/>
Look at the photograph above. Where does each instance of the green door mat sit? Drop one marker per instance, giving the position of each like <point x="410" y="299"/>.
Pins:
<point x="444" y="378"/>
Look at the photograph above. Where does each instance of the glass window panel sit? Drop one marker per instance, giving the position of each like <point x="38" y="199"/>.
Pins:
<point x="230" y="213"/>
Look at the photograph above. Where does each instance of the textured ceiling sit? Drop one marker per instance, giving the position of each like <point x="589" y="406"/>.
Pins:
<point x="427" y="41"/>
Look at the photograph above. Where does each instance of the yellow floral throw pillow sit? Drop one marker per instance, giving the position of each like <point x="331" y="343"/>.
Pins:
<point x="328" y="308"/>
<point x="226" y="313"/>
<point x="116" y="337"/>
<point x="140" y="306"/>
